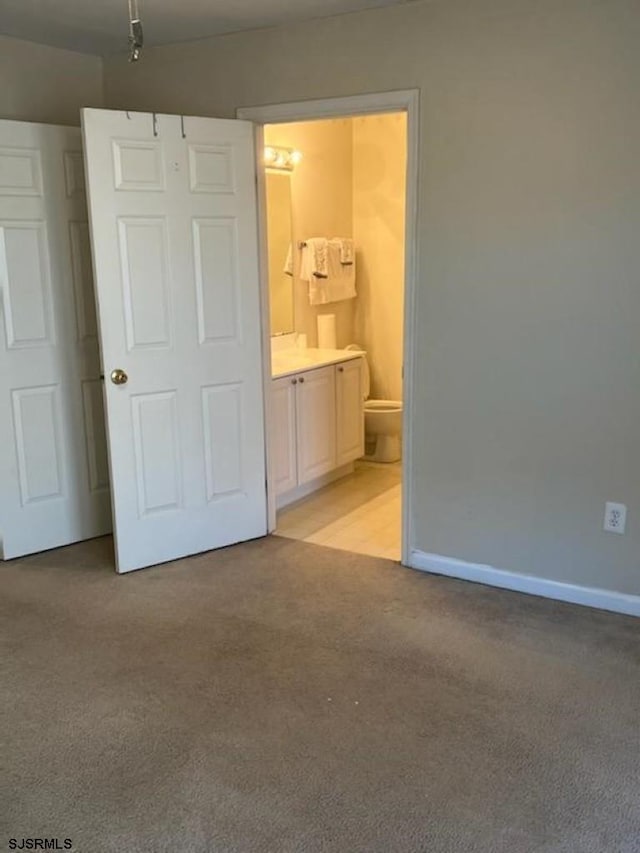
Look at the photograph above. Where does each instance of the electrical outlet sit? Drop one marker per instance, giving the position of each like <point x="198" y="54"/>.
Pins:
<point x="615" y="517"/>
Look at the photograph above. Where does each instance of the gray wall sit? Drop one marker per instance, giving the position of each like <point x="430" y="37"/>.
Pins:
<point x="528" y="310"/>
<point x="46" y="84"/>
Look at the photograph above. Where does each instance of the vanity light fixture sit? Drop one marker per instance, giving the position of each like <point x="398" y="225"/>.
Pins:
<point x="281" y="159"/>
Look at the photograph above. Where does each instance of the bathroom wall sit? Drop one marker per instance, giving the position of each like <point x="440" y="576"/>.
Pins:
<point x="47" y="84"/>
<point x="379" y="183"/>
<point x="322" y="205"/>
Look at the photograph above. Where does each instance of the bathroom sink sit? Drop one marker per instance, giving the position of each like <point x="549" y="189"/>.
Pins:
<point x="293" y="360"/>
<point x="288" y="361"/>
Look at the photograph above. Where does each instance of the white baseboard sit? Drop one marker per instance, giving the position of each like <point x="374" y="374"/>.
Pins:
<point x="604" y="599"/>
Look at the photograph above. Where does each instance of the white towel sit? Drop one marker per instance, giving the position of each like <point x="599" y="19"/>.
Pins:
<point x="347" y="252"/>
<point x="288" y="264"/>
<point x="315" y="258"/>
<point x="339" y="284"/>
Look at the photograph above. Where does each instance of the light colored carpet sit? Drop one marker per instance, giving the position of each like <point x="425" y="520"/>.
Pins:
<point x="281" y="696"/>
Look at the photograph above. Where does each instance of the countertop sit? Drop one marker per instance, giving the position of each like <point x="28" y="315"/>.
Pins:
<point x="289" y="361"/>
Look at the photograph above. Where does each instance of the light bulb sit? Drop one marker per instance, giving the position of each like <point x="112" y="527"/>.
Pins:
<point x="277" y="157"/>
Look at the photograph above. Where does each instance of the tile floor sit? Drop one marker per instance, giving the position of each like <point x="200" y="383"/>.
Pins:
<point x="361" y="513"/>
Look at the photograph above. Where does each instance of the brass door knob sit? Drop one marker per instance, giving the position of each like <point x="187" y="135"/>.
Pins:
<point x="119" y="377"/>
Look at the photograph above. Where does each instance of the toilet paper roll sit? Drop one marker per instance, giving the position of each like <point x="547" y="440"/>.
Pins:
<point x="327" y="331"/>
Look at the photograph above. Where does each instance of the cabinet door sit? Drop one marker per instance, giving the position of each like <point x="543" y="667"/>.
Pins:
<point x="350" y="411"/>
<point x="316" y="423"/>
<point x="283" y="434"/>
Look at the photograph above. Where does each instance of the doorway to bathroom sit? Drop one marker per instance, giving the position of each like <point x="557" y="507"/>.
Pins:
<point x="337" y="212"/>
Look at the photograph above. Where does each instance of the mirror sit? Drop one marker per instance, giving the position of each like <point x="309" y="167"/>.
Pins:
<point x="279" y="235"/>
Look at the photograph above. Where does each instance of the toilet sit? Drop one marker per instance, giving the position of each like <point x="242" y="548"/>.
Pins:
<point x="382" y="420"/>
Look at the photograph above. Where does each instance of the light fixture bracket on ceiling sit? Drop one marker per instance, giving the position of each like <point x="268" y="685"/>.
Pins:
<point x="136" y="36"/>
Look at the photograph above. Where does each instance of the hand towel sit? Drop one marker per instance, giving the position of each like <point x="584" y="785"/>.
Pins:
<point x="315" y="259"/>
<point x="347" y="251"/>
<point x="338" y="285"/>
<point x="288" y="264"/>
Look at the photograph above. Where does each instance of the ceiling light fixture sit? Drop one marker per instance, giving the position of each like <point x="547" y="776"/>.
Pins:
<point x="136" y="36"/>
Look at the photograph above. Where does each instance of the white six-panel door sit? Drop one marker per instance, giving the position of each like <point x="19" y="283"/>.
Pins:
<point x="174" y="232"/>
<point x="54" y="486"/>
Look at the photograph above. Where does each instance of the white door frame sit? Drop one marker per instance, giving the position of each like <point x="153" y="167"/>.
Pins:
<point x="384" y="102"/>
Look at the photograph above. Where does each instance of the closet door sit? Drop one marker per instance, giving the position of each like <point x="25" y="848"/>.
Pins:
<point x="175" y="245"/>
<point x="54" y="486"/>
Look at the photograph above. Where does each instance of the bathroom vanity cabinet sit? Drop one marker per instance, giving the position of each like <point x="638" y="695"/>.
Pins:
<point x="317" y="427"/>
